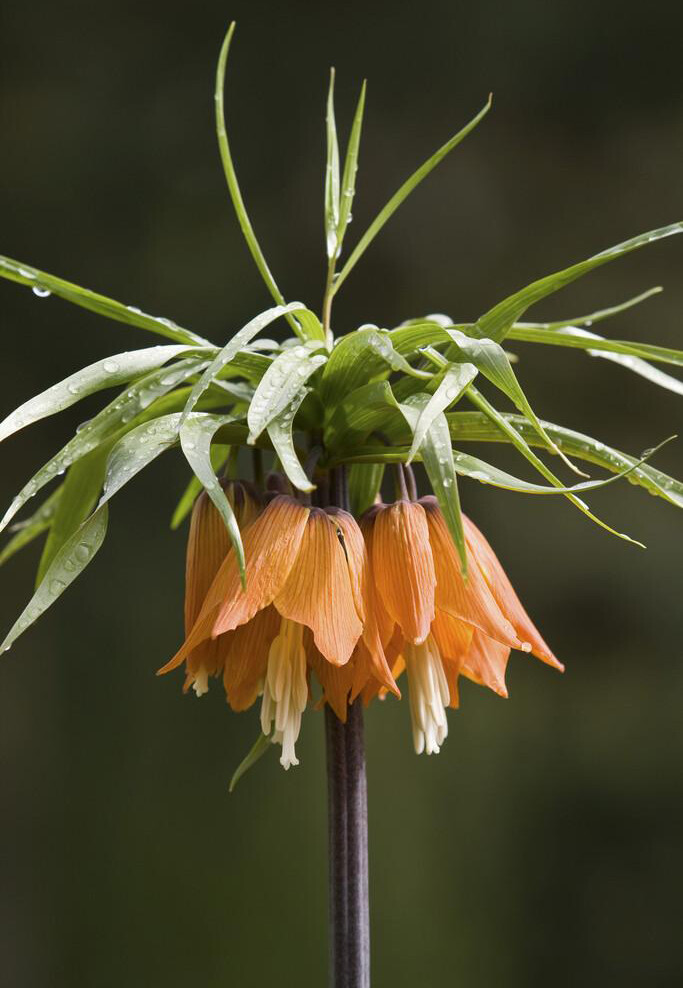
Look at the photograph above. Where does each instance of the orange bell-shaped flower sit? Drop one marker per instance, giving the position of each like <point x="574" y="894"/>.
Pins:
<point x="304" y="606"/>
<point x="433" y="623"/>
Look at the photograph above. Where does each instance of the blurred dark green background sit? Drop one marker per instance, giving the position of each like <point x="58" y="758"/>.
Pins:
<point x="543" y="846"/>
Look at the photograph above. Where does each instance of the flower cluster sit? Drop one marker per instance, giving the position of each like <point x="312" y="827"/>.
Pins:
<point x="354" y="604"/>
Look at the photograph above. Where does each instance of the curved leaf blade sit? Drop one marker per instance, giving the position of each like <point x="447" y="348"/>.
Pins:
<point x="281" y="384"/>
<point x="280" y="432"/>
<point x="106" y="373"/>
<point x="69" y="562"/>
<point x="348" y="186"/>
<point x="331" y="174"/>
<point x="136" y="450"/>
<point x="39" y="522"/>
<point x="455" y="380"/>
<point x="258" y="749"/>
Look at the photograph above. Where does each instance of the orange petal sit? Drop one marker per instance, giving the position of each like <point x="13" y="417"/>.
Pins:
<point x="486" y="662"/>
<point x="403" y="568"/>
<point x="507" y="599"/>
<point x="318" y="592"/>
<point x="335" y="680"/>
<point x="452" y="636"/>
<point x="247" y="659"/>
<point x="385" y="625"/>
<point x="473" y="601"/>
<point x="452" y="670"/>
<point x="351" y="539"/>
<point x="271" y="545"/>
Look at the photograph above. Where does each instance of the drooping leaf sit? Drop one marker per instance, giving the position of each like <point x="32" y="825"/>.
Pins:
<point x="403" y="193"/>
<point x="69" y="562"/>
<point x="438" y="459"/>
<point x="107" y="373"/>
<point x="48" y="284"/>
<point x="122" y="411"/>
<point x="232" y="348"/>
<point x="490" y="358"/>
<point x="497" y="322"/>
<point x="196" y="434"/>
<point x="136" y="450"/>
<point x="365" y="410"/>
<point x="219" y="454"/>
<point x="597" y="316"/>
<point x="281" y="384"/>
<point x="455" y="380"/>
<point x="476" y="427"/>
<point x="80" y="490"/>
<point x="33" y="527"/>
<point x="280" y="432"/>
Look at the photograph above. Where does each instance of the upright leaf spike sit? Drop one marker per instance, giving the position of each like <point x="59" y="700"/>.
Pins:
<point x="348" y="186"/>
<point x="233" y="186"/>
<point x="331" y="175"/>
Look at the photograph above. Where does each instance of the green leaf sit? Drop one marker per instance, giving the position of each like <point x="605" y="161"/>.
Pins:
<point x="71" y="560"/>
<point x="48" y="284"/>
<point x="281" y="384"/>
<point x="348" y="187"/>
<point x="582" y="339"/>
<point x="475" y="427"/>
<point x="218" y="455"/>
<point x="33" y="527"/>
<point x="456" y="378"/>
<point x="232" y="348"/>
<point x="122" y="411"/>
<point x="439" y="462"/>
<point x="359" y="357"/>
<point x="598" y="316"/>
<point x="497" y="322"/>
<point x="403" y="193"/>
<point x="233" y="185"/>
<point x="136" y="450"/>
<point x="80" y="491"/>
<point x="262" y="745"/>
<point x="331" y="175"/>
<point x="365" y="481"/>
<point x="107" y="373"/>
<point x="365" y="410"/>
<point x="196" y="434"/>
<point x="280" y="432"/>
<point x="490" y="358"/>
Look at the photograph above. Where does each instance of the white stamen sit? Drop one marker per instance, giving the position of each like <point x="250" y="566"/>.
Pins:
<point x="201" y="682"/>
<point x="285" y="690"/>
<point x="429" y="695"/>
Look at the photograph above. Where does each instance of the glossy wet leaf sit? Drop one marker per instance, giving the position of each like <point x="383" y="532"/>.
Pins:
<point x="26" y="274"/>
<point x="232" y="348"/>
<point x="437" y="456"/>
<point x="476" y="427"/>
<point x="365" y="410"/>
<point x="196" y="435"/>
<point x="120" y="412"/>
<point x="69" y="562"/>
<point x="33" y="527"/>
<point x="219" y="454"/>
<point x="280" y="432"/>
<point x="331" y="175"/>
<point x="455" y="380"/>
<point x="137" y="449"/>
<point x="107" y="373"/>
<point x="281" y="384"/>
<point x="358" y="358"/>
<point x="497" y="322"/>
<point x="348" y="185"/>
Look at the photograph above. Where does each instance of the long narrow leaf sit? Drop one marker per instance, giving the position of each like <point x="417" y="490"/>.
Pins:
<point x="280" y="386"/>
<point x="33" y="527"/>
<point x="233" y="185"/>
<point x="219" y="455"/>
<point x="331" y="175"/>
<point x="69" y="562"/>
<point x="196" y="434"/>
<point x="455" y="380"/>
<point x="136" y="450"/>
<point x="107" y="373"/>
<point x="348" y="186"/>
<point x="48" y="284"/>
<point x="403" y="193"/>
<point x="280" y="432"/>
<point x="497" y="322"/>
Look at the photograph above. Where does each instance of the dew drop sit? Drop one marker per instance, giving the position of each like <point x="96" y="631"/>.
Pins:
<point x="41" y="292"/>
<point x="56" y="587"/>
<point x="82" y="552"/>
<point x="110" y="366"/>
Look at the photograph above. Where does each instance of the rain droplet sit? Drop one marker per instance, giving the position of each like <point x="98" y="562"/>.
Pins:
<point x="82" y="552"/>
<point x="41" y="292"/>
<point x="56" y="587"/>
<point x="110" y="366"/>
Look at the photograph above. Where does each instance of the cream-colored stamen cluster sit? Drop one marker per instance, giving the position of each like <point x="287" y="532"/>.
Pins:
<point x="285" y="689"/>
<point x="429" y="695"/>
